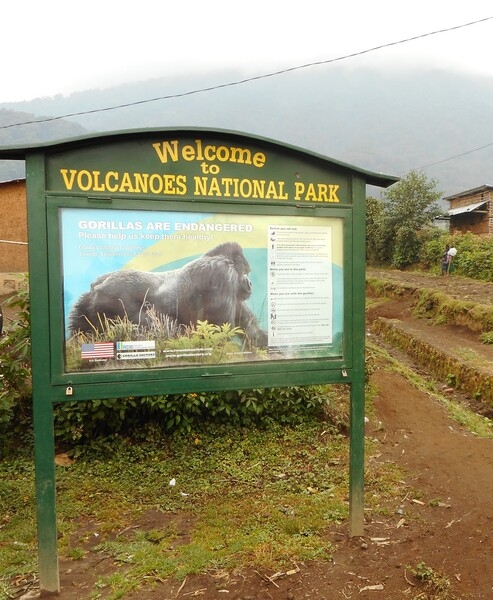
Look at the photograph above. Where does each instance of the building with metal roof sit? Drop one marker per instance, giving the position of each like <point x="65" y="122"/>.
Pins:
<point x="472" y="210"/>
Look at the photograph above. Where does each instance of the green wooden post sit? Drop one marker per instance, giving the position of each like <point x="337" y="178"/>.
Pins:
<point x="44" y="448"/>
<point x="357" y="395"/>
<point x="44" y="441"/>
<point x="357" y="453"/>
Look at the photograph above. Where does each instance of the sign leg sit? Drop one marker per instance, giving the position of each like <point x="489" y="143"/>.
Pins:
<point x="356" y="459"/>
<point x="44" y="447"/>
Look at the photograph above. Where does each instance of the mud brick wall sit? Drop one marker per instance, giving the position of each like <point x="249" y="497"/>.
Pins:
<point x="13" y="227"/>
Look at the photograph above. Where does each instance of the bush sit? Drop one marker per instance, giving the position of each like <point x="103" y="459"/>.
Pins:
<point x="431" y="253"/>
<point x="81" y="423"/>
<point x="15" y="369"/>
<point x="406" y="247"/>
<point x="474" y="254"/>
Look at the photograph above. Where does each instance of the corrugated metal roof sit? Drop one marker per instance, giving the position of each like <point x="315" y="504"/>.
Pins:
<point x="465" y="209"/>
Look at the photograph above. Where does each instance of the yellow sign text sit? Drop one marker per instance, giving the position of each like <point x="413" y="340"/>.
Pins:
<point x="316" y="192"/>
<point x="209" y="153"/>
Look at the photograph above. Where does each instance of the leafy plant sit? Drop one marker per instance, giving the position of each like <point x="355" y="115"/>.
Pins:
<point x="451" y="379"/>
<point x="438" y="586"/>
<point x="486" y="337"/>
<point x="15" y="365"/>
<point x="100" y="422"/>
<point x="216" y="342"/>
<point x="374" y="231"/>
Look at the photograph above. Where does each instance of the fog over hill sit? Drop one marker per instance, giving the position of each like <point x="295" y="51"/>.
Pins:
<point x="389" y="121"/>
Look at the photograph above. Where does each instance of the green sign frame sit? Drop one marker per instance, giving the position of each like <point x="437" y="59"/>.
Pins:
<point x="154" y="206"/>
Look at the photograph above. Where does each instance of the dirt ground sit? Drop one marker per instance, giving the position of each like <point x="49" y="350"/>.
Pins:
<point x="457" y="287"/>
<point x="444" y="520"/>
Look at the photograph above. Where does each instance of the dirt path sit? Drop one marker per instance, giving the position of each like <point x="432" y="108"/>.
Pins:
<point x="453" y="470"/>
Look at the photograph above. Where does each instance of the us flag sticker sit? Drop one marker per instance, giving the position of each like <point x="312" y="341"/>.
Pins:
<point x="98" y="350"/>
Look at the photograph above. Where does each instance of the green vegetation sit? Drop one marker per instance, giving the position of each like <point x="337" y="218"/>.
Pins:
<point x="398" y="225"/>
<point x="15" y="368"/>
<point x="262" y="496"/>
<point x="400" y="232"/>
<point x="486" y="337"/>
<point x="437" y="307"/>
<point x="261" y="475"/>
<point x="78" y="424"/>
<point x="437" y="586"/>
<point x="454" y="366"/>
<point x="474" y="254"/>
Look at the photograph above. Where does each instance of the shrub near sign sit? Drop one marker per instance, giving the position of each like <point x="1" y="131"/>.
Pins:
<point x="144" y="246"/>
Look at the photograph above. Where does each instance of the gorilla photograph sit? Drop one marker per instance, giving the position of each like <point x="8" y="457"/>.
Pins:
<point x="213" y="288"/>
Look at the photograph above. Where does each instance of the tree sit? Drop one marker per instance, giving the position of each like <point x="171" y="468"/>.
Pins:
<point x="409" y="209"/>
<point x="374" y="219"/>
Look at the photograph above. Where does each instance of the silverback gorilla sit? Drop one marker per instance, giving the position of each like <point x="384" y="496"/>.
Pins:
<point x="211" y="288"/>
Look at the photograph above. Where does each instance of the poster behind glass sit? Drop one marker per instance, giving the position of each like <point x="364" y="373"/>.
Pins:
<point x="155" y="289"/>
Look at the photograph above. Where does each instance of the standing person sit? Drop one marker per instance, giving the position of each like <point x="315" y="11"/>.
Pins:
<point x="451" y="254"/>
<point x="445" y="260"/>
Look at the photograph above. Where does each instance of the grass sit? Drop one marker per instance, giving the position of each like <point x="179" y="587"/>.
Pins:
<point x="263" y="497"/>
<point x="437" y="585"/>
<point x="486" y="337"/>
<point x="468" y="355"/>
<point x="252" y="497"/>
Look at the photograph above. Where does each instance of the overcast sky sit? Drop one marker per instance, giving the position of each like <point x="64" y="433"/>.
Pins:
<point x="51" y="47"/>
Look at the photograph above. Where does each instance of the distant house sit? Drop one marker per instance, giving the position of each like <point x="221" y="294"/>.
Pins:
<point x="13" y="233"/>
<point x="472" y="210"/>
